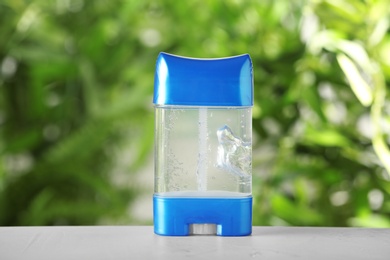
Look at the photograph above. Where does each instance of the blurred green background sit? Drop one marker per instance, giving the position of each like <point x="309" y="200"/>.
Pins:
<point x="76" y="114"/>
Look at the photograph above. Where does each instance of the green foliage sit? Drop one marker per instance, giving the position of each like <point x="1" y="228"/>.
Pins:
<point x="76" y="82"/>
<point x="329" y="164"/>
<point x="68" y="102"/>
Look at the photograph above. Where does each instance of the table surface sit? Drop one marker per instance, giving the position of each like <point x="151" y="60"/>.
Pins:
<point x="139" y="242"/>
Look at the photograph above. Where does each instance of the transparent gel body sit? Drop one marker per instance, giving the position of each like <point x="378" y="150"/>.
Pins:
<point x="203" y="151"/>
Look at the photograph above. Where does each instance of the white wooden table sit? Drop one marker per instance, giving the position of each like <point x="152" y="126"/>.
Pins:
<point x="137" y="242"/>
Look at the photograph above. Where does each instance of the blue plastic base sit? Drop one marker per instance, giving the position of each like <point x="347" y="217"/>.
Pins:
<point x="173" y="215"/>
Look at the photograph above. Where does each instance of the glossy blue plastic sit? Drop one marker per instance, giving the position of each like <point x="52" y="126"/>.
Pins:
<point x="203" y="82"/>
<point x="174" y="215"/>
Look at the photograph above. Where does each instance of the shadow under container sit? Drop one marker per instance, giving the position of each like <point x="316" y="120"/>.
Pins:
<point x="203" y="146"/>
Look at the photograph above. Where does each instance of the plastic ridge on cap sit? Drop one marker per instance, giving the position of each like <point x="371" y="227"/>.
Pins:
<point x="203" y="82"/>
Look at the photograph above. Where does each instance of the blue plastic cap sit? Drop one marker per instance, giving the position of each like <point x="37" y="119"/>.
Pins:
<point x="203" y="82"/>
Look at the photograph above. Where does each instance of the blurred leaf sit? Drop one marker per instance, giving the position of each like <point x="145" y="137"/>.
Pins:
<point x="326" y="137"/>
<point x="379" y="32"/>
<point x="359" y="86"/>
<point x="383" y="151"/>
<point x="287" y="210"/>
<point x="372" y="221"/>
<point x="357" y="53"/>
